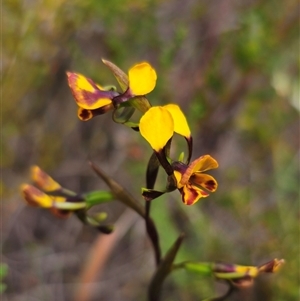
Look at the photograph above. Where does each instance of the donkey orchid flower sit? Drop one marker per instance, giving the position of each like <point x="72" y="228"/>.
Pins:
<point x="191" y="179"/>
<point x="50" y="194"/>
<point x="93" y="99"/>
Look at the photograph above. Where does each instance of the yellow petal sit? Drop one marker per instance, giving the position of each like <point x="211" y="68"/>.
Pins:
<point x="181" y="126"/>
<point x="59" y="199"/>
<point x="203" y="163"/>
<point x="87" y="94"/>
<point x="204" y="180"/>
<point x="35" y="197"/>
<point x="178" y="177"/>
<point x="43" y="180"/>
<point x="247" y="270"/>
<point x="142" y="78"/>
<point x="157" y="127"/>
<point x="191" y="194"/>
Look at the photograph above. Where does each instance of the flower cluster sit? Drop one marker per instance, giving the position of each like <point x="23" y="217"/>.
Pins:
<point x="157" y="125"/>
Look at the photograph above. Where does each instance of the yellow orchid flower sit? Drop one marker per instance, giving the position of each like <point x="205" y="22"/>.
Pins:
<point x="191" y="179"/>
<point x="62" y="202"/>
<point x="58" y="205"/>
<point x="159" y="123"/>
<point x="50" y="194"/>
<point x="243" y="276"/>
<point x="93" y="99"/>
<point x="157" y="126"/>
<point x="237" y="275"/>
<point x="36" y="197"/>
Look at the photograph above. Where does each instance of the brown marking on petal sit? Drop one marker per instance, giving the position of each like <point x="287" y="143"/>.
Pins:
<point x="188" y="199"/>
<point x="86" y="92"/>
<point x="204" y="180"/>
<point x="102" y="110"/>
<point x="84" y="114"/>
<point x="191" y="194"/>
<point x="87" y="97"/>
<point x="204" y="193"/>
<point x="179" y="166"/>
<point x="43" y="180"/>
<point x="187" y="174"/>
<point x="29" y="193"/>
<point x="28" y="198"/>
<point x="210" y="185"/>
<point x="191" y="200"/>
<point x="271" y="266"/>
<point x="224" y="268"/>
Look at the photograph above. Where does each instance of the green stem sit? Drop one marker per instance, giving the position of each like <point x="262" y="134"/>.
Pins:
<point x="69" y="205"/>
<point x="119" y="192"/>
<point x="151" y="176"/>
<point x="163" y="270"/>
<point x="123" y="196"/>
<point x="98" y="197"/>
<point x="152" y="233"/>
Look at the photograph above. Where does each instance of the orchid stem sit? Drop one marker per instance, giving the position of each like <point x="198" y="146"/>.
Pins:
<point x="152" y="233"/>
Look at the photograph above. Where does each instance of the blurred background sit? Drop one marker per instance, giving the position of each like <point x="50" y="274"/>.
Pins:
<point x="233" y="67"/>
